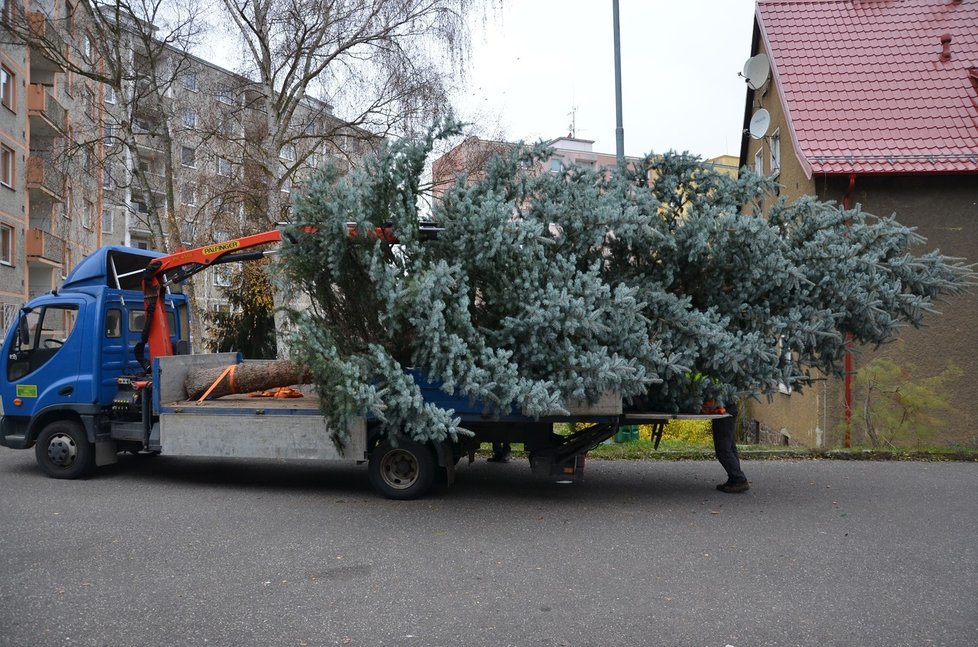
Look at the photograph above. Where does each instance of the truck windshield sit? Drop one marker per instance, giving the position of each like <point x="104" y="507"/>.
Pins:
<point x="42" y="333"/>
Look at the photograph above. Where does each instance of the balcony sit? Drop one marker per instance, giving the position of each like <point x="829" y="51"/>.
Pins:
<point x="44" y="181"/>
<point x="47" y="47"/>
<point x="44" y="247"/>
<point x="48" y="117"/>
<point x="148" y="144"/>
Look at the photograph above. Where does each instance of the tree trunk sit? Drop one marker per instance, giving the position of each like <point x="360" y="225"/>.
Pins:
<point x="245" y="378"/>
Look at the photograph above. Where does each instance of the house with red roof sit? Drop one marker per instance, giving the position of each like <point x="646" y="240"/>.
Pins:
<point x="875" y="103"/>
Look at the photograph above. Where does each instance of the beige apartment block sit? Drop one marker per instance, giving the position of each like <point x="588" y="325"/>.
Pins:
<point x="164" y="159"/>
<point x="49" y="186"/>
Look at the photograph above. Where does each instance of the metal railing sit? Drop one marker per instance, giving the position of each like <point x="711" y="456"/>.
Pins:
<point x="41" y="103"/>
<point x="45" y="245"/>
<point x="42" y="174"/>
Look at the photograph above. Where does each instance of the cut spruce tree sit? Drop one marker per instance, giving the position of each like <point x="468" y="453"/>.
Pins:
<point x="651" y="281"/>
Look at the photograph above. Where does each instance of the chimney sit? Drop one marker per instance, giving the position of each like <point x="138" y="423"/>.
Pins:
<point x="946" y="46"/>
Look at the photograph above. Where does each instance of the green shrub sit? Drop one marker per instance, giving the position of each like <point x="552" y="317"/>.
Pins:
<point x="900" y="407"/>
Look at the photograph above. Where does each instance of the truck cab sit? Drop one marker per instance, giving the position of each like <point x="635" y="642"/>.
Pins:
<point x="73" y="350"/>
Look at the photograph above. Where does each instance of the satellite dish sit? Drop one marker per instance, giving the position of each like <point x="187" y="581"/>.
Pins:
<point x="759" y="123"/>
<point x="756" y="70"/>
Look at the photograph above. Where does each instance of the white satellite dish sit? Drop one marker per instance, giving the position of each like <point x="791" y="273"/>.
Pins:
<point x="759" y="123"/>
<point x="756" y="70"/>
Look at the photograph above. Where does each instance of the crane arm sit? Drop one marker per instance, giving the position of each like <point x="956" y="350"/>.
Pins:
<point x="180" y="266"/>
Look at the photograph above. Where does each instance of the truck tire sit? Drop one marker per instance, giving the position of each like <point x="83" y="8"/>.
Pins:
<point x="403" y="472"/>
<point x="63" y="450"/>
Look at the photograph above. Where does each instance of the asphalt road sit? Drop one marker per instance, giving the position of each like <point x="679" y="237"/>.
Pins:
<point x="170" y="551"/>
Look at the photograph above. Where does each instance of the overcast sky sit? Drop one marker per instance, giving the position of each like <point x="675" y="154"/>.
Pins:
<point x="536" y="61"/>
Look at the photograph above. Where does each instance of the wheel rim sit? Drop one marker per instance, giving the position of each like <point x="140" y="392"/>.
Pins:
<point x="399" y="468"/>
<point x="62" y="450"/>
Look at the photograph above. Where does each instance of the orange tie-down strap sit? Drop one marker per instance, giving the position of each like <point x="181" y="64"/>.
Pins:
<point x="229" y="373"/>
<point x="281" y="392"/>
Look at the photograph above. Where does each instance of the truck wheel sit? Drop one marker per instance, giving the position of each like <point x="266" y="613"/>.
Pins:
<point x="403" y="472"/>
<point x="63" y="450"/>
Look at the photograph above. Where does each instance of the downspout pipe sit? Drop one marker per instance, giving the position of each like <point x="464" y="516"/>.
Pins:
<point x="847" y="396"/>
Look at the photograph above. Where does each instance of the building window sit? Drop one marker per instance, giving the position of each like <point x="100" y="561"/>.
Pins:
<point x="222" y="277"/>
<point x="109" y="93"/>
<point x="91" y="108"/>
<point x="6" y="15"/>
<point x="313" y="160"/>
<point x="287" y="152"/>
<point x="225" y="96"/>
<point x="759" y="161"/>
<point x="188" y="157"/>
<point x="107" y="183"/>
<point x="88" y="215"/>
<point x="107" y="221"/>
<point x="226" y="126"/>
<point x="776" y="153"/>
<point x="190" y="81"/>
<point x="6" y="166"/>
<point x="87" y="48"/>
<point x="556" y="166"/>
<point x="188" y="195"/>
<point x="189" y="118"/>
<point x="6" y="244"/>
<point x="223" y="167"/>
<point x="787" y="361"/>
<point x="7" y="84"/>
<point x="187" y="232"/>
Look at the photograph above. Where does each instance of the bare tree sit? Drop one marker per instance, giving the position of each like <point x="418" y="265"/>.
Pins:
<point x="386" y="65"/>
<point x="136" y="55"/>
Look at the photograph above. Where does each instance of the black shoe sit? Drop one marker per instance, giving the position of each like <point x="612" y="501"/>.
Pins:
<point x="734" y="488"/>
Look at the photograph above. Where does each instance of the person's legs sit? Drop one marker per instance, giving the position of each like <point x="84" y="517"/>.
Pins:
<point x="725" y="446"/>
<point x="500" y="453"/>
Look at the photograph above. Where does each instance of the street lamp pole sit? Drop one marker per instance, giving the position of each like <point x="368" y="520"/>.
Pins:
<point x="619" y="130"/>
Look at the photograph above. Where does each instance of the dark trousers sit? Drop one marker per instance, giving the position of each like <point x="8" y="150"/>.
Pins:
<point x="501" y="450"/>
<point x="725" y="445"/>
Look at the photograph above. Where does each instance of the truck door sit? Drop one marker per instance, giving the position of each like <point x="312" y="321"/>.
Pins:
<point x="136" y="321"/>
<point x="43" y="358"/>
<point x="117" y="358"/>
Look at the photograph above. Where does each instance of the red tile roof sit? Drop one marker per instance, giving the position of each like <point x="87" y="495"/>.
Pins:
<point x="865" y="86"/>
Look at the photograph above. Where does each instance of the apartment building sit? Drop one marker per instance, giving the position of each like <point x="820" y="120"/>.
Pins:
<point x="167" y="156"/>
<point x="49" y="192"/>
<point x="471" y="155"/>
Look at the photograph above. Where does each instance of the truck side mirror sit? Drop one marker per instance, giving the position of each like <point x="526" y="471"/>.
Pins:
<point x="23" y="328"/>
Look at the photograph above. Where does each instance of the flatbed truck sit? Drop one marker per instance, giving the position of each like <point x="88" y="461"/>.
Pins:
<point x="76" y="386"/>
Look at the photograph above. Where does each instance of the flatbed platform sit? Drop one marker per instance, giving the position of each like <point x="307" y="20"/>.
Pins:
<point x="244" y="404"/>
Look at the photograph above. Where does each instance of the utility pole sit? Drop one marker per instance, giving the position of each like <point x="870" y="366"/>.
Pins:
<point x="619" y="130"/>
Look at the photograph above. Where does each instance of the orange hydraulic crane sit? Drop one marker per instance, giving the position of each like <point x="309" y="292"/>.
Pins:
<point x="181" y="265"/>
<point x="178" y="267"/>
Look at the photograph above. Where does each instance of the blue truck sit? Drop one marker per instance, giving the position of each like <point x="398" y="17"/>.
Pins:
<point x="78" y="388"/>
